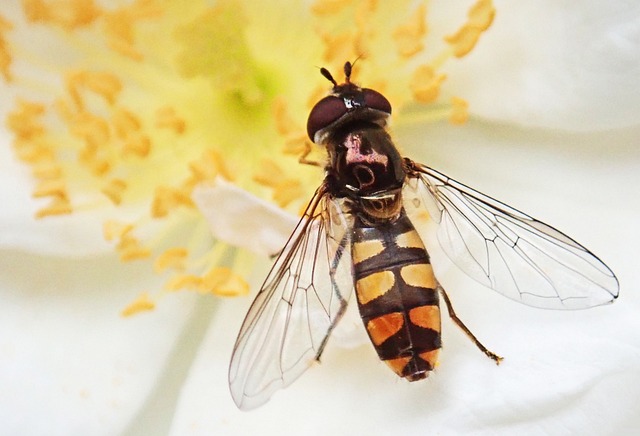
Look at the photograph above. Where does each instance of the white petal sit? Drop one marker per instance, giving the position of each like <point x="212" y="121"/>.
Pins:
<point x="69" y="364"/>
<point x="563" y="65"/>
<point x="242" y="219"/>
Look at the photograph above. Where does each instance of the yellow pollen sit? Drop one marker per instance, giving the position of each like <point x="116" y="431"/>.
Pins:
<point x="166" y="118"/>
<point x="57" y="206"/>
<point x="141" y="304"/>
<point x="48" y="188"/>
<point x="124" y="123"/>
<point x="5" y="55"/>
<point x="92" y="128"/>
<point x="459" y="111"/>
<point x="267" y="172"/>
<point x="329" y="7"/>
<point x="285" y="123"/>
<point x="480" y="18"/>
<point x="137" y="144"/>
<point x="24" y="121"/>
<point x="364" y="18"/>
<point x="338" y="47"/>
<point x="297" y="144"/>
<point x="481" y="14"/>
<point x="295" y="138"/>
<point x="131" y="249"/>
<point x="113" y="229"/>
<point x="149" y="133"/>
<point x="209" y="166"/>
<point x="224" y="282"/>
<point x="409" y="36"/>
<point x="165" y="199"/>
<point x="99" y="167"/>
<point x="173" y="258"/>
<point x="285" y="190"/>
<point x="114" y="190"/>
<point x="34" y="151"/>
<point x="184" y="281"/>
<point x="104" y="84"/>
<point x="425" y="84"/>
<point x="118" y="26"/>
<point x="47" y="170"/>
<point x="68" y="14"/>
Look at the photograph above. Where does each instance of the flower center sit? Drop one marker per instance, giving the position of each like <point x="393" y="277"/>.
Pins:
<point x="151" y="99"/>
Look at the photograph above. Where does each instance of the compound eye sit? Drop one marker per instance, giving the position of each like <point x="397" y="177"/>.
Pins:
<point x="325" y="112"/>
<point x="375" y="100"/>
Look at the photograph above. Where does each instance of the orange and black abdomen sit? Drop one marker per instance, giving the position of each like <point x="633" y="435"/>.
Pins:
<point x="397" y="295"/>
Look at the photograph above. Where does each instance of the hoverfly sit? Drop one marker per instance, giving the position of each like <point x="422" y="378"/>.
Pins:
<point x="358" y="232"/>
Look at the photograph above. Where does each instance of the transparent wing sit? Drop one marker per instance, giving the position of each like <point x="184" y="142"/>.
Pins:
<point x="299" y="304"/>
<point x="507" y="250"/>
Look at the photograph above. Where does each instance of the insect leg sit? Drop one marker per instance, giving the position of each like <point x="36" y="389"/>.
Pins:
<point x="336" y="290"/>
<point x="454" y="318"/>
<point x="306" y="152"/>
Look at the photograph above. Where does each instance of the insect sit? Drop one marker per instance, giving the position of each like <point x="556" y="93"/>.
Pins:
<point x="359" y="233"/>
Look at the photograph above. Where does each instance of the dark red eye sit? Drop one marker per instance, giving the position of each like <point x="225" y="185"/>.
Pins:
<point x="348" y="99"/>
<point x="325" y="112"/>
<point x="375" y="100"/>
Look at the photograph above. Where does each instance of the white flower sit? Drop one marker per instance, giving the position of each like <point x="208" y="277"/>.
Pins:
<point x="553" y="132"/>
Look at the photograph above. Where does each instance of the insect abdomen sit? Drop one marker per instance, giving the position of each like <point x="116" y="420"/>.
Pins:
<point x="397" y="296"/>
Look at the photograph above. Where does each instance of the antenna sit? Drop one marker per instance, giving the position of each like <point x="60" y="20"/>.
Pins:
<point x="327" y="75"/>
<point x="347" y="71"/>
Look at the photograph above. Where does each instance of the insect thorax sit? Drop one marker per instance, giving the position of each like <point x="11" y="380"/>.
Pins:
<point x="367" y="169"/>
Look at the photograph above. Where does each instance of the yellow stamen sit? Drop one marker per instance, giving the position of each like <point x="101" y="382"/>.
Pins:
<point x="5" y="55"/>
<point x="183" y="281"/>
<point x="173" y="258"/>
<point x="207" y="105"/>
<point x="93" y="129"/>
<point x="105" y="84"/>
<point x="58" y="206"/>
<point x="68" y="14"/>
<point x="124" y="123"/>
<point x="24" y="120"/>
<point x="119" y="26"/>
<point x="136" y="144"/>
<point x="338" y="47"/>
<point x="166" y="118"/>
<point x="459" y="111"/>
<point x="480" y="18"/>
<point x="166" y="199"/>
<point x="481" y="14"/>
<point x="409" y="36"/>
<point x="364" y="18"/>
<point x="285" y="123"/>
<point x="209" y="166"/>
<point x="285" y="190"/>
<point x="128" y="245"/>
<point x="266" y="173"/>
<point x="425" y="84"/>
<point x="141" y="304"/>
<point x="113" y="229"/>
<point x="329" y="7"/>
<point x="224" y="282"/>
<point x="297" y="144"/>
<point x="48" y="188"/>
<point x="47" y="170"/>
<point x="114" y="190"/>
<point x="131" y="249"/>
<point x="33" y="151"/>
